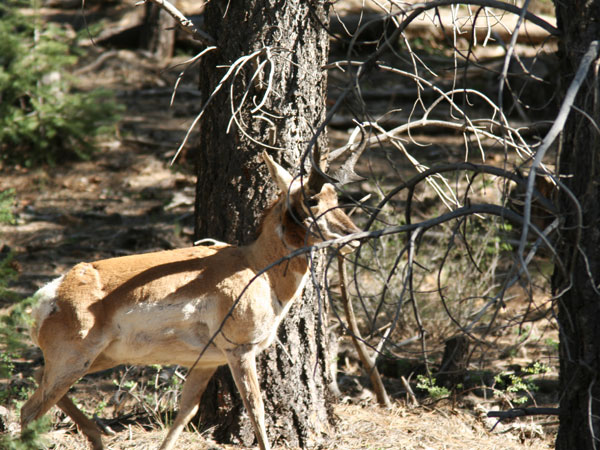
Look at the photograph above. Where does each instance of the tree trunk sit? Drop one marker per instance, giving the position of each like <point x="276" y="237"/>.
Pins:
<point x="158" y="32"/>
<point x="233" y="190"/>
<point x="579" y="306"/>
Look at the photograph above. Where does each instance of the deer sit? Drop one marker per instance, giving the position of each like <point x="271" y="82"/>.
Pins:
<point x="168" y="307"/>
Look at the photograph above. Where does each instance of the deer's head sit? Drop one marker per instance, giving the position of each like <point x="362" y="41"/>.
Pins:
<point x="310" y="210"/>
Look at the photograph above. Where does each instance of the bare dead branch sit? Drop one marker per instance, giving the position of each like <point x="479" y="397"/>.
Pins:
<point x="183" y="22"/>
<point x="522" y="412"/>
<point x="229" y="75"/>
<point x="400" y="231"/>
<point x="420" y="8"/>
<point x="409" y="392"/>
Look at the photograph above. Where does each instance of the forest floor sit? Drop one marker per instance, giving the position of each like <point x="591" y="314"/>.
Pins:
<point x="128" y="198"/>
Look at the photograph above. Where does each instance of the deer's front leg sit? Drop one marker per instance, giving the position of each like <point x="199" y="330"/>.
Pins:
<point x="242" y="362"/>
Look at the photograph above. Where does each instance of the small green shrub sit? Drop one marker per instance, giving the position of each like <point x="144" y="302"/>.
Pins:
<point x="516" y="387"/>
<point x="43" y="119"/>
<point x="429" y="385"/>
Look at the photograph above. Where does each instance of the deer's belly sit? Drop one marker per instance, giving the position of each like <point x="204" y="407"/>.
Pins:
<point x="165" y="333"/>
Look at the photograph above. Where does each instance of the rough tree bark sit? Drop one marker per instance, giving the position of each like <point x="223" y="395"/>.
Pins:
<point x="579" y="306"/>
<point x="233" y="190"/>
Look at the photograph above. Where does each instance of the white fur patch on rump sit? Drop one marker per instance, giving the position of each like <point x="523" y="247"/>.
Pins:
<point x="45" y="304"/>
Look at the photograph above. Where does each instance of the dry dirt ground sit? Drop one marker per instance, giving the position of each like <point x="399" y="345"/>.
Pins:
<point x="129" y="199"/>
<point x="365" y="427"/>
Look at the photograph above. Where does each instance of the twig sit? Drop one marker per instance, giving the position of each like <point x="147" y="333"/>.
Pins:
<point x="370" y="367"/>
<point x="509" y="52"/>
<point x="409" y="391"/>
<point x="412" y="238"/>
<point x="190" y="62"/>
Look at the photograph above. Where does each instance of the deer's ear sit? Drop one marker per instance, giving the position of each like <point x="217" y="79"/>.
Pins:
<point x="281" y="176"/>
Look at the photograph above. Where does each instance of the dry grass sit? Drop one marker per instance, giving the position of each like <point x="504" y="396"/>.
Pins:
<point x="362" y="427"/>
<point x="442" y="428"/>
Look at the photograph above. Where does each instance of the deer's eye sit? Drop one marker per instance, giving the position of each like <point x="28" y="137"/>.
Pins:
<point x="297" y="214"/>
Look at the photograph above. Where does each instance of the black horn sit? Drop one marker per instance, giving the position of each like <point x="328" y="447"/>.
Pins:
<point x="317" y="177"/>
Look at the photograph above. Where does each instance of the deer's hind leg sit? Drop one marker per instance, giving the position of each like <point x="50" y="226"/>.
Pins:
<point x="87" y="426"/>
<point x="192" y="391"/>
<point x="62" y="369"/>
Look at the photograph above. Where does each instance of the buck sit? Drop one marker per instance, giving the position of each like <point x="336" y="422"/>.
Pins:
<point x="167" y="307"/>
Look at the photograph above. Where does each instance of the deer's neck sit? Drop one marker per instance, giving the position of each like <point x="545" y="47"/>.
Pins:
<point x="288" y="277"/>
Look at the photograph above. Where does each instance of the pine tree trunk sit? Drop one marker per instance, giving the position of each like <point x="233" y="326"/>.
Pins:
<point x="579" y="306"/>
<point x="158" y="32"/>
<point x="233" y="190"/>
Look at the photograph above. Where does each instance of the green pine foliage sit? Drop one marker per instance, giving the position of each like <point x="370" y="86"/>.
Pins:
<point x="13" y="327"/>
<point x="43" y="118"/>
<point x="7" y="198"/>
<point x="30" y="438"/>
<point x="10" y="338"/>
<point x="7" y="273"/>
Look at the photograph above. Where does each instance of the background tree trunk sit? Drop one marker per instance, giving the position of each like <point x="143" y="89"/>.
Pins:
<point x="158" y="32"/>
<point x="579" y="307"/>
<point x="233" y="190"/>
